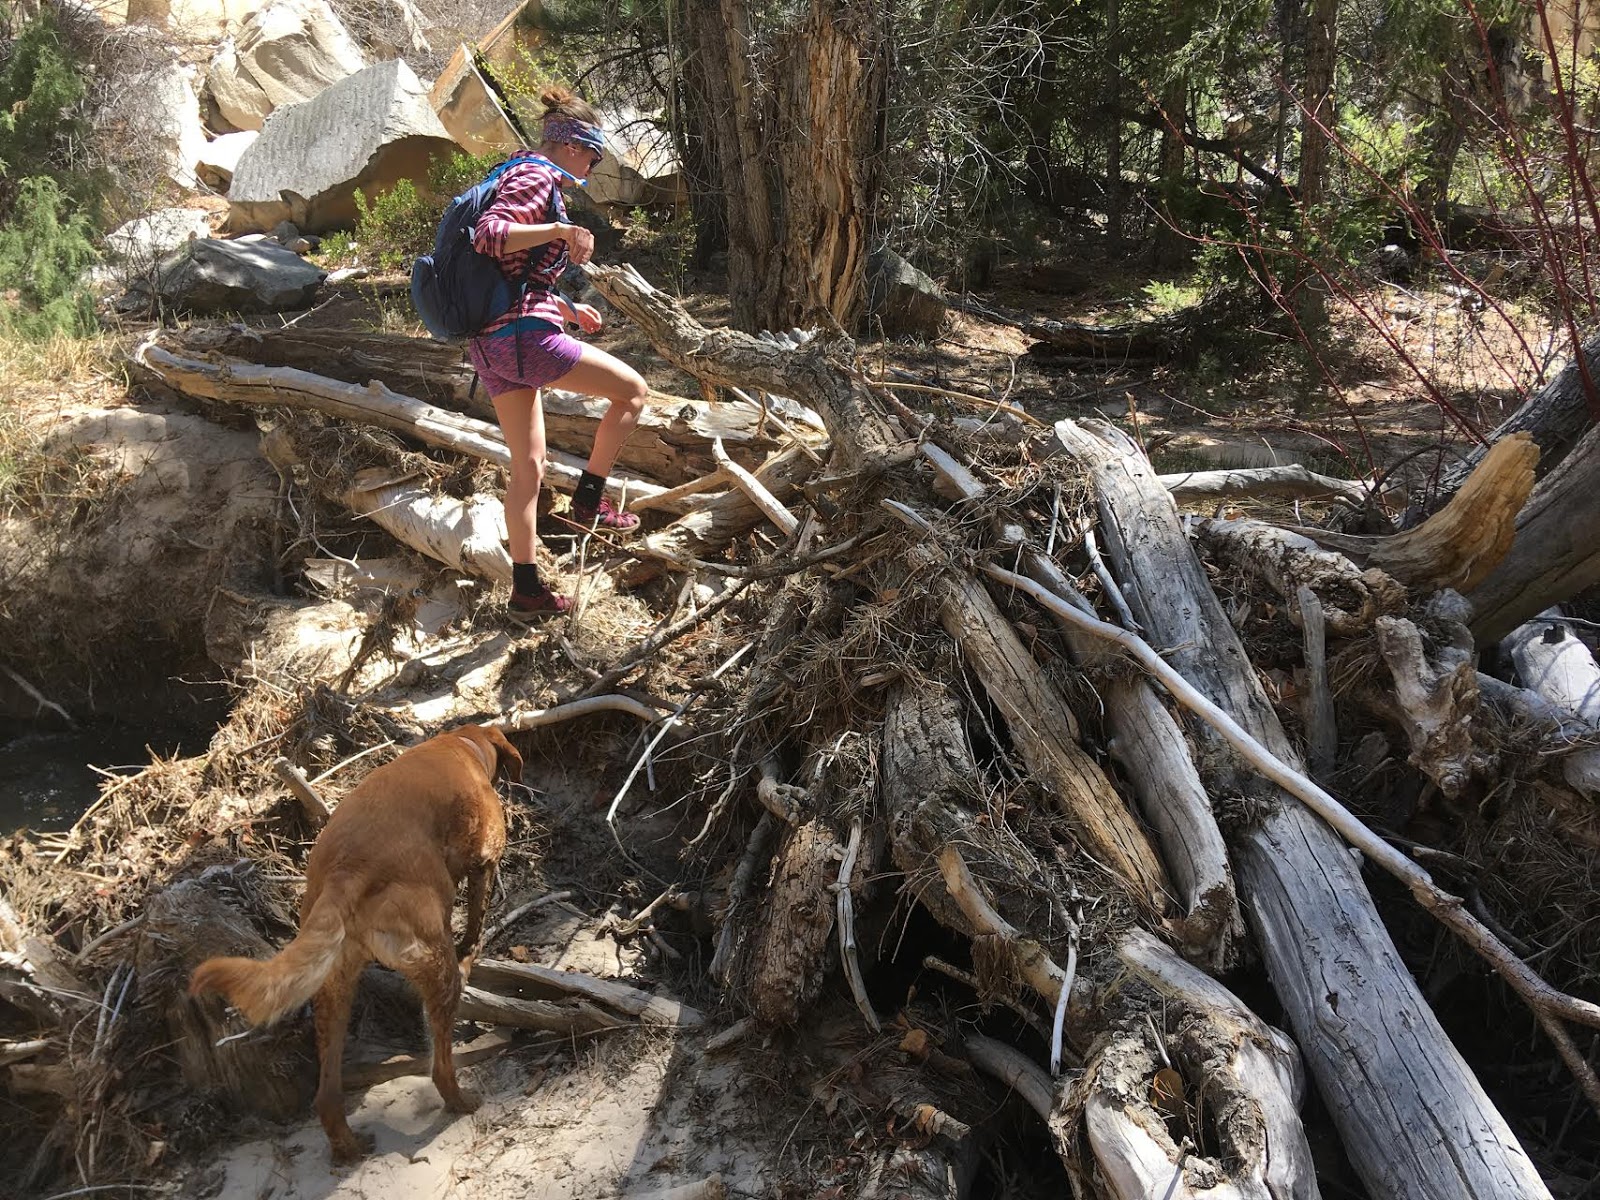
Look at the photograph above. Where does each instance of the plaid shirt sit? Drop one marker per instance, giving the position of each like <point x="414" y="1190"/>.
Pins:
<point x="527" y="194"/>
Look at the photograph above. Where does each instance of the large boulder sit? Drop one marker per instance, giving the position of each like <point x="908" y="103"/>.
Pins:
<point x="902" y="299"/>
<point x="366" y="132"/>
<point x="238" y="98"/>
<point x="471" y="107"/>
<point x="287" y="52"/>
<point x="168" y="118"/>
<point x="208" y="275"/>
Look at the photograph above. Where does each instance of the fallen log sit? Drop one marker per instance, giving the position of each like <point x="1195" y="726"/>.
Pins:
<point x="492" y="1008"/>
<point x="1158" y="337"/>
<point x="1351" y="598"/>
<point x="817" y="374"/>
<point x="1154" y="754"/>
<point x="1249" y="1073"/>
<point x="1555" y="664"/>
<point x="1461" y="544"/>
<point x="375" y="404"/>
<point x="1289" y="482"/>
<point x="649" y="1008"/>
<point x="672" y="441"/>
<point x="465" y="534"/>
<point x="1047" y="739"/>
<point x="1413" y="1118"/>
<point x="1555" y="555"/>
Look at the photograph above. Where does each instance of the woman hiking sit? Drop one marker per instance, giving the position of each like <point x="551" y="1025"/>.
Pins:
<point x="526" y="230"/>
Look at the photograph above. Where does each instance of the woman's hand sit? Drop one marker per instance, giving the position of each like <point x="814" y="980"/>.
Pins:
<point x="588" y="318"/>
<point x="580" y="244"/>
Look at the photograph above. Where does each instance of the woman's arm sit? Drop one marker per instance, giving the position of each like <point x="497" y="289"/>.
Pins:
<point x="517" y="220"/>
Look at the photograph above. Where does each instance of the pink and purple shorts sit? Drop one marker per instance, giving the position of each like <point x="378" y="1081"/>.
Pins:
<point x="546" y="355"/>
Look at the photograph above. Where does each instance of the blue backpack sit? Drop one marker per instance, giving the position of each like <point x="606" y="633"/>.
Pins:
<point x="457" y="290"/>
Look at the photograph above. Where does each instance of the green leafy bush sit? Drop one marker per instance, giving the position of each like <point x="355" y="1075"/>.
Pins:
<point x="47" y="214"/>
<point x="42" y="92"/>
<point x="43" y="254"/>
<point x="400" y="224"/>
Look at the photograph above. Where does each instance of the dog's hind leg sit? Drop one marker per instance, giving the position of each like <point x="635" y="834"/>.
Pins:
<point x="480" y="882"/>
<point x="437" y="979"/>
<point x="331" y="1008"/>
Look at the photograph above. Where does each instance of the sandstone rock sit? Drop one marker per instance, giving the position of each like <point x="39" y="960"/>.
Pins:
<point x="287" y="52"/>
<point x="471" y="109"/>
<point x="237" y="96"/>
<point x="902" y="298"/>
<point x="366" y="132"/>
<point x="212" y="276"/>
<point x="220" y="158"/>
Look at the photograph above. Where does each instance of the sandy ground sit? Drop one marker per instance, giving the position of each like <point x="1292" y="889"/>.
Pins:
<point x="625" y="1116"/>
<point x="620" y="1115"/>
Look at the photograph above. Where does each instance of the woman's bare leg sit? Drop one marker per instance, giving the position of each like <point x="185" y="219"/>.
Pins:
<point x="522" y="421"/>
<point x="600" y="374"/>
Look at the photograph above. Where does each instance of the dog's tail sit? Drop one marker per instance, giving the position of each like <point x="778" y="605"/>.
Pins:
<point x="264" y="991"/>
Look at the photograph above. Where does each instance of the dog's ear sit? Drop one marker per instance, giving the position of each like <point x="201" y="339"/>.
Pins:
<point x="510" y="760"/>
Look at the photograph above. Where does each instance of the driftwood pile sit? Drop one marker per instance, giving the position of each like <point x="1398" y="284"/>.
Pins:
<point x="984" y="669"/>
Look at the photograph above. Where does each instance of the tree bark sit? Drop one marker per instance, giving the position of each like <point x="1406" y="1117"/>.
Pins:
<point x="830" y="95"/>
<point x="798" y="126"/>
<point x="1413" y="1118"/>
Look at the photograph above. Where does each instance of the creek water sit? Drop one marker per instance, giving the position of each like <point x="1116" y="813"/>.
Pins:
<point x="47" y="778"/>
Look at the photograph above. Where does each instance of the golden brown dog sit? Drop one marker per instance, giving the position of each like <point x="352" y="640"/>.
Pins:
<point x="380" y="884"/>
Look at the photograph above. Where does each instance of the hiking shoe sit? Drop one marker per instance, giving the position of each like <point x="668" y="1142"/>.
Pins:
<point x="530" y="610"/>
<point x="603" y="517"/>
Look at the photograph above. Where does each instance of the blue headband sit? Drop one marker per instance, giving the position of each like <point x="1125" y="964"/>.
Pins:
<point x="573" y="132"/>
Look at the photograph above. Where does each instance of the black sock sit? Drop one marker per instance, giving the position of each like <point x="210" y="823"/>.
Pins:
<point x="525" y="579"/>
<point x="587" y="493"/>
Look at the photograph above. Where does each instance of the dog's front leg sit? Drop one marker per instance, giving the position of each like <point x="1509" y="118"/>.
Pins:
<point x="480" y="882"/>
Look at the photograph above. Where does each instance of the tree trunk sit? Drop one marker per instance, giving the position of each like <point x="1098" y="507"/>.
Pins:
<point x="796" y="133"/>
<point x="1318" y="106"/>
<point x="1172" y="248"/>
<point x="826" y="133"/>
<point x="1555" y="555"/>
<point x="1413" y="1118"/>
<point x="725" y="42"/>
<point x="1113" y="108"/>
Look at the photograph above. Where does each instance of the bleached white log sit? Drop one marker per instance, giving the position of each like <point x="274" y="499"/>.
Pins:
<point x="1553" y="662"/>
<point x="1291" y="482"/>
<point x="464" y="534"/>
<point x="375" y="404"/>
